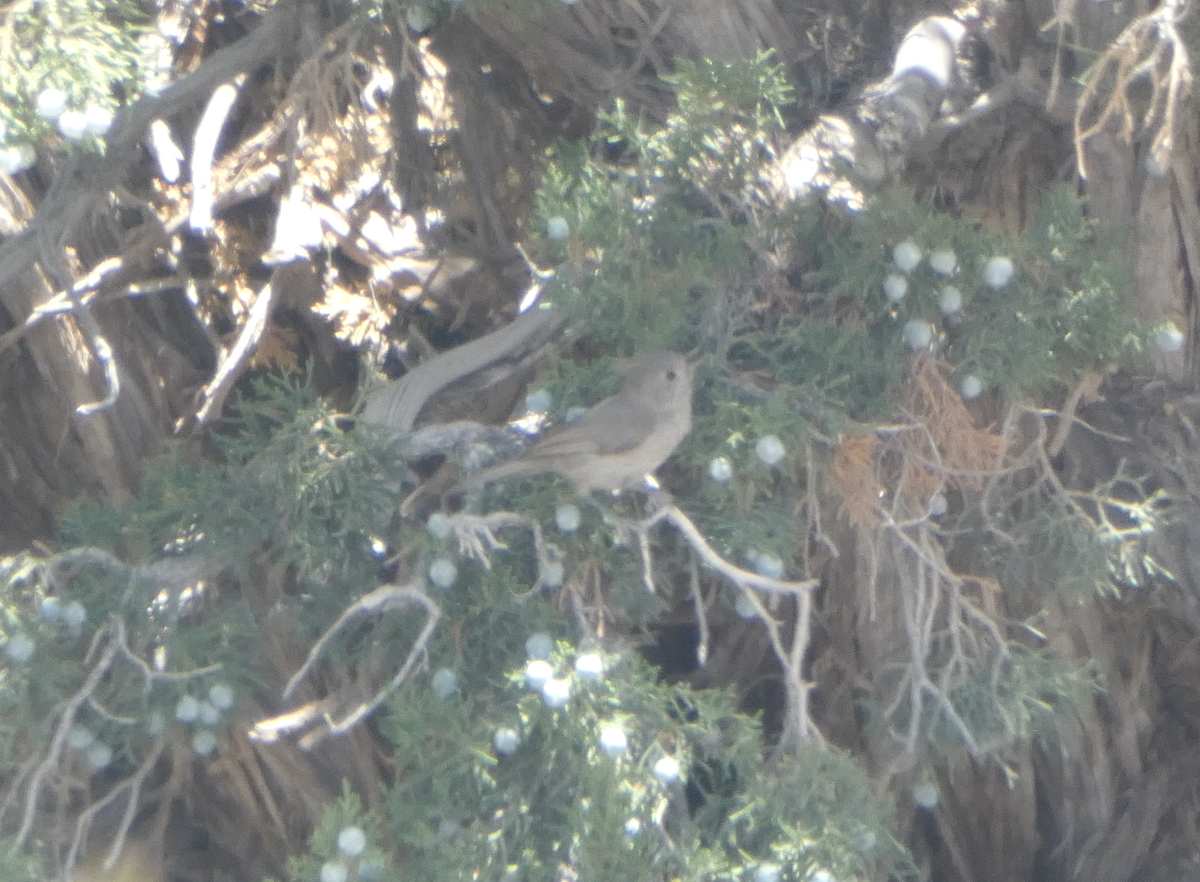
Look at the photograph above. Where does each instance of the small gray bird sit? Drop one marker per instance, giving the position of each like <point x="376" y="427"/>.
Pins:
<point x="619" y="441"/>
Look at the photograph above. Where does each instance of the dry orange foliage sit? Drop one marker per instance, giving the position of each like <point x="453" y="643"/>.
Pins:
<point x="940" y="447"/>
<point x="855" y="477"/>
<point x="945" y="445"/>
<point x="278" y="349"/>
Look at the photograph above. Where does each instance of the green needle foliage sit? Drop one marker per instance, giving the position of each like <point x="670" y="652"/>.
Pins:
<point x="294" y="519"/>
<point x="465" y="811"/>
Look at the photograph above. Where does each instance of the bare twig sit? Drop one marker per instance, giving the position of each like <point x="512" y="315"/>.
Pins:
<point x="477" y="536"/>
<point x="51" y="762"/>
<point x="235" y="360"/>
<point x="1150" y="47"/>
<point x="738" y="576"/>
<point x="799" y="724"/>
<point x="701" y="613"/>
<point x="382" y="599"/>
<point x="131" y="785"/>
<point x="204" y="148"/>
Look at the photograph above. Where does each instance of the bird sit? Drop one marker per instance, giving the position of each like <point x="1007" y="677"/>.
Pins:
<point x="619" y="441"/>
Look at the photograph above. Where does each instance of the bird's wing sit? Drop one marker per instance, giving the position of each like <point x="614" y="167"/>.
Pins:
<point x="563" y="441"/>
<point x="610" y="428"/>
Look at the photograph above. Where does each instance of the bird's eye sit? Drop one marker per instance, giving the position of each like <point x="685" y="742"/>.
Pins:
<point x="670" y="375"/>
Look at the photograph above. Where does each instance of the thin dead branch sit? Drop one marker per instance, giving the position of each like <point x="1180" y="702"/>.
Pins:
<point x="386" y="598"/>
<point x="1150" y="50"/>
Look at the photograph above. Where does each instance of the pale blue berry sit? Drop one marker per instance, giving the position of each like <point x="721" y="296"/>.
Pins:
<point x="769" y="565"/>
<point x="187" y="709"/>
<point x="744" y="607"/>
<point x="443" y="572"/>
<point x="74" y="615"/>
<point x="538" y="401"/>
<point x="539" y="646"/>
<point x="50" y="104"/>
<point x="505" y="741"/>
<point x="99" y="755"/>
<point x="589" y="666"/>
<point x="16" y="158"/>
<point x="951" y="301"/>
<point x="80" y="737"/>
<point x="352" y="841"/>
<point x="72" y="125"/>
<point x="895" y="288"/>
<point x="925" y="796"/>
<point x="209" y="715"/>
<point x="970" y="388"/>
<point x="156" y="724"/>
<point x="768" y="873"/>
<point x="556" y="693"/>
<point x="221" y="696"/>
<point x="770" y="450"/>
<point x="204" y="742"/>
<point x="558" y="230"/>
<point x="537" y="673"/>
<point x="613" y="741"/>
<point x="907" y="256"/>
<point x="666" y="770"/>
<point x="10" y="161"/>
<point x="720" y="470"/>
<point x="998" y="272"/>
<point x="336" y="871"/>
<point x="438" y="526"/>
<point x="51" y="609"/>
<point x="1168" y="339"/>
<point x="19" y="648"/>
<point x="567" y="517"/>
<point x="444" y="683"/>
<point x="943" y="262"/>
<point x="918" y="334"/>
<point x="97" y="120"/>
<point x="553" y="574"/>
<point x="420" y="19"/>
